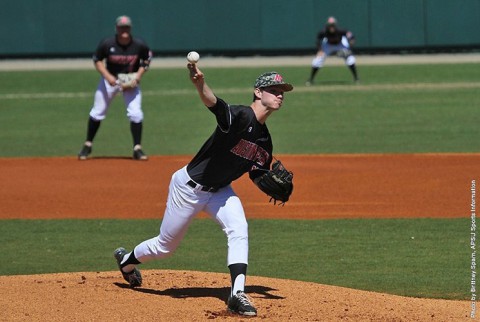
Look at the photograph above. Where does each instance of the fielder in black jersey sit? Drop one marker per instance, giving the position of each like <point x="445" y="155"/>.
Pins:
<point x="121" y="61"/>
<point x="332" y="40"/>
<point x="122" y="58"/>
<point x="240" y="143"/>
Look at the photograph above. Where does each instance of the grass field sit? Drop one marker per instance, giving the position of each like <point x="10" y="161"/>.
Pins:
<point x="395" y="109"/>
<point x="435" y="263"/>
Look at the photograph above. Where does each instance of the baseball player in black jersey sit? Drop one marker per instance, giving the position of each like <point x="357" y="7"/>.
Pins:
<point x="126" y="60"/>
<point x="332" y="40"/>
<point x="240" y="143"/>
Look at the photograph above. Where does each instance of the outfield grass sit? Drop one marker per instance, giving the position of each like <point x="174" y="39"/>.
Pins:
<point x="413" y="257"/>
<point x="386" y="115"/>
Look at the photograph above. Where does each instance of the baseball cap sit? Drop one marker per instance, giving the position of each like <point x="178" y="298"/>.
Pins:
<point x="123" y="21"/>
<point x="331" y="21"/>
<point x="272" y="79"/>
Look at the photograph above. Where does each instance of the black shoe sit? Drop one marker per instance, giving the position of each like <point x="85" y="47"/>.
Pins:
<point x="84" y="152"/>
<point x="240" y="304"/>
<point x="139" y="155"/>
<point x="134" y="278"/>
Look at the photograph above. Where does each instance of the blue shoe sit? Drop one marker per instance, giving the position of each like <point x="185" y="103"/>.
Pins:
<point x="84" y="152"/>
<point x="134" y="278"/>
<point x="240" y="304"/>
<point x="139" y="155"/>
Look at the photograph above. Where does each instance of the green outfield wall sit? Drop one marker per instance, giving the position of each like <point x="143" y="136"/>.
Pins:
<point x="66" y="27"/>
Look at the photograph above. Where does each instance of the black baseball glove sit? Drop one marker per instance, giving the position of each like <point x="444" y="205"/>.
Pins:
<point x="277" y="183"/>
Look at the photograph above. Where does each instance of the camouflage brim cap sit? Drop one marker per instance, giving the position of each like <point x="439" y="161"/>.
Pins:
<point x="123" y="21"/>
<point x="272" y="79"/>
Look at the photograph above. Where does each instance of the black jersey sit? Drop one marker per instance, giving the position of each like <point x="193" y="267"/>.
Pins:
<point x="239" y="144"/>
<point x="123" y="59"/>
<point x="333" y="38"/>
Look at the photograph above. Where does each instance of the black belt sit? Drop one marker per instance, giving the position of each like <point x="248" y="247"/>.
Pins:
<point x="193" y="184"/>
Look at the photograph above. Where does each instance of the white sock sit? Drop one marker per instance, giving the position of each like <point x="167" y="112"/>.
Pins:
<point x="127" y="268"/>
<point x="239" y="284"/>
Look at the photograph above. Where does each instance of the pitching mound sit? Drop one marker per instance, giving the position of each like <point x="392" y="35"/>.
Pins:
<point x="197" y="296"/>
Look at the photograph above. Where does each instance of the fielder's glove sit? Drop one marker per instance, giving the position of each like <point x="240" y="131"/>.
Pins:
<point x="344" y="53"/>
<point x="277" y="183"/>
<point x="127" y="81"/>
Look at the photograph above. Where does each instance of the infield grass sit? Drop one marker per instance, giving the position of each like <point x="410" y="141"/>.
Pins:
<point x="395" y="109"/>
<point x="412" y="257"/>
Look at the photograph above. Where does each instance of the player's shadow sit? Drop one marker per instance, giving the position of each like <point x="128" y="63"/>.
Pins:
<point x="112" y="157"/>
<point x="333" y="82"/>
<point x="218" y="292"/>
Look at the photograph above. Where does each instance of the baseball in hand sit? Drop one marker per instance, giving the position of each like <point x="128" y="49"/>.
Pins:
<point x="193" y="57"/>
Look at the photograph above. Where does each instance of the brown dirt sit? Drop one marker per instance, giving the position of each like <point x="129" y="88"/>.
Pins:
<point x="195" y="296"/>
<point x="329" y="186"/>
<point x="334" y="186"/>
<point x="253" y="61"/>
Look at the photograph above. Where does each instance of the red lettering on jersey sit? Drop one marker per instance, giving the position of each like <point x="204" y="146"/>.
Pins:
<point x="250" y="151"/>
<point x="123" y="59"/>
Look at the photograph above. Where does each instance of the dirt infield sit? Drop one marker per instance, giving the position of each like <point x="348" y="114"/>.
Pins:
<point x="330" y="186"/>
<point x="255" y="61"/>
<point x="326" y="187"/>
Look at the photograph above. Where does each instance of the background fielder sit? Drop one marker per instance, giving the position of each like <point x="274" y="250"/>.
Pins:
<point x="240" y="143"/>
<point x="125" y="56"/>
<point x="332" y="40"/>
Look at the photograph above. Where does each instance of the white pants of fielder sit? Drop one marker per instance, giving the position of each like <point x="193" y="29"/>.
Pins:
<point x="183" y="203"/>
<point x="104" y="95"/>
<point x="329" y="49"/>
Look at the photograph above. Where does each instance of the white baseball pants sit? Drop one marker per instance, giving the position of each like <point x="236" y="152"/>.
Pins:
<point x="183" y="203"/>
<point x="104" y="95"/>
<point x="329" y="49"/>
